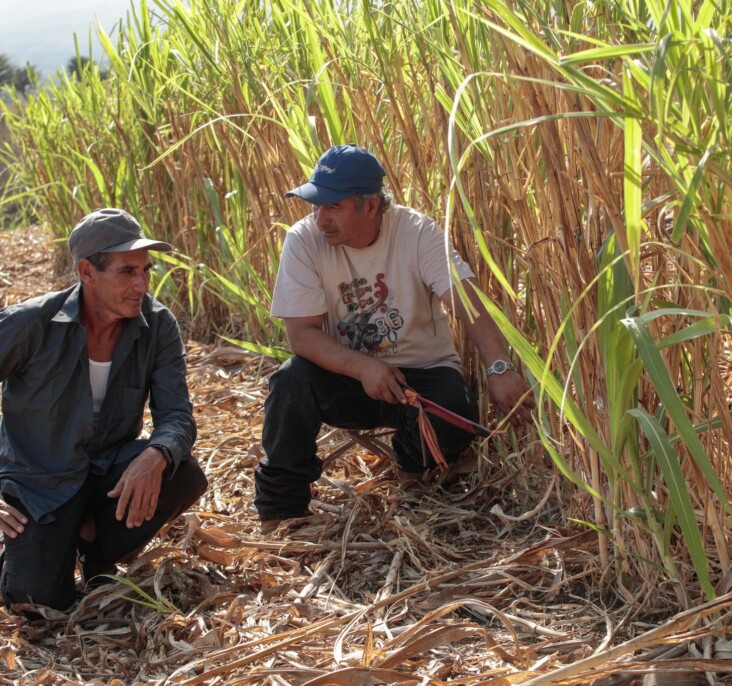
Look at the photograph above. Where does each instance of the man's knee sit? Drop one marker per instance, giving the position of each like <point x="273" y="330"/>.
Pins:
<point x="40" y="577"/>
<point x="29" y="592"/>
<point x="198" y="483"/>
<point x="188" y="484"/>
<point x="292" y="373"/>
<point x="293" y="394"/>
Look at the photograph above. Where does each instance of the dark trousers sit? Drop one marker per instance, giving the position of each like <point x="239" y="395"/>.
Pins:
<point x="39" y="564"/>
<point x="302" y="396"/>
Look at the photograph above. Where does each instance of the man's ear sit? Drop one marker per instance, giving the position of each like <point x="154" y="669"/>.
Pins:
<point x="373" y="206"/>
<point x="85" y="270"/>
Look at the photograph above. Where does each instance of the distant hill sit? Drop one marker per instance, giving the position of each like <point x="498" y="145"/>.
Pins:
<point x="46" y="38"/>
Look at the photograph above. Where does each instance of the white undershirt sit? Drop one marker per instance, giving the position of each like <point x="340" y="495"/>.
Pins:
<point x="98" y="375"/>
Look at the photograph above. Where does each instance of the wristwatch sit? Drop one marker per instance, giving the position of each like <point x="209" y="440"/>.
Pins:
<point x="498" y="367"/>
<point x="163" y="449"/>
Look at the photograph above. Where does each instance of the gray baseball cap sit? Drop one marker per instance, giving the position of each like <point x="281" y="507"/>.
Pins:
<point x="110" y="230"/>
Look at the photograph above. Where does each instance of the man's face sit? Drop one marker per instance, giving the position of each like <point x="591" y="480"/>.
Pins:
<point x="117" y="292"/>
<point x="343" y="223"/>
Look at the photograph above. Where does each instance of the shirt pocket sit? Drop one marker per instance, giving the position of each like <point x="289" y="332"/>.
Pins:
<point x="133" y="401"/>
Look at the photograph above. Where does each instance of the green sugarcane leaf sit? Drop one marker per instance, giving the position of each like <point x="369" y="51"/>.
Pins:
<point x="667" y="394"/>
<point x="678" y="491"/>
<point x="706" y="327"/>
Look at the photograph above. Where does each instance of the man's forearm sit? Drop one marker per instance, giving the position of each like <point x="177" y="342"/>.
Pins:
<point x="483" y="331"/>
<point x="319" y="348"/>
<point x="380" y="380"/>
<point x="509" y="393"/>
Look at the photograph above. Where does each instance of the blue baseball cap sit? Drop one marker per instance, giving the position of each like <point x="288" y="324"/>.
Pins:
<point x="341" y="172"/>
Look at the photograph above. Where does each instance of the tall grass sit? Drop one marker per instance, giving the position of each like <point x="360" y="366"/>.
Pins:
<point x="578" y="154"/>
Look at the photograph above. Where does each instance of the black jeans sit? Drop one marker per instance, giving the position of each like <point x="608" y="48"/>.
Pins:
<point x="302" y="396"/>
<point x="39" y="564"/>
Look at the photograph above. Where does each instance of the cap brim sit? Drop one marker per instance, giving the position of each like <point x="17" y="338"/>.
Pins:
<point x="139" y="244"/>
<point x="317" y="195"/>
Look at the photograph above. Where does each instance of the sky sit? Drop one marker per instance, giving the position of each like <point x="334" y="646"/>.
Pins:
<point x="42" y="31"/>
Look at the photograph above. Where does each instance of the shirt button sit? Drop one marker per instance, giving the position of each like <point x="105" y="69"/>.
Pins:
<point x="89" y="428"/>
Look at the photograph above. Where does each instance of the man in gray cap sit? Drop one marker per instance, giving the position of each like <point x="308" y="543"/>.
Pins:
<point x="361" y="288"/>
<point x="77" y="482"/>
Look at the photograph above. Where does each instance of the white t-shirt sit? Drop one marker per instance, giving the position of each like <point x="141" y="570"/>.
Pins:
<point x="98" y="376"/>
<point x="383" y="300"/>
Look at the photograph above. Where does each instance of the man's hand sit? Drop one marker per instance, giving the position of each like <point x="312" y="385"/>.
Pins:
<point x="139" y="487"/>
<point x="12" y="521"/>
<point x="506" y="391"/>
<point x="382" y="381"/>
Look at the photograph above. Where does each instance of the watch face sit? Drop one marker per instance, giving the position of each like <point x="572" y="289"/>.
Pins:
<point x="499" y="367"/>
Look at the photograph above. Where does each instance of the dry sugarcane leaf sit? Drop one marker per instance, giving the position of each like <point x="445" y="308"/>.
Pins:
<point x="221" y="557"/>
<point x="431" y="638"/>
<point x="217" y="537"/>
<point x="361" y="676"/>
<point x="374" y="559"/>
<point x="7" y="656"/>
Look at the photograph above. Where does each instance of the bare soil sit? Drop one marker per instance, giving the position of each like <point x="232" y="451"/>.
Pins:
<point x="477" y="582"/>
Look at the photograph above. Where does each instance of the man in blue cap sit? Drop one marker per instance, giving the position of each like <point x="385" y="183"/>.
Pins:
<point x="77" y="481"/>
<point x="361" y="288"/>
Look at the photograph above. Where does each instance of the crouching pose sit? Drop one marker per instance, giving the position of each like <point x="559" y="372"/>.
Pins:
<point x="362" y="289"/>
<point x="78" y="367"/>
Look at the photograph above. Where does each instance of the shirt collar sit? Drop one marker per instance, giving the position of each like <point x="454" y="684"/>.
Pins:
<point x="71" y="310"/>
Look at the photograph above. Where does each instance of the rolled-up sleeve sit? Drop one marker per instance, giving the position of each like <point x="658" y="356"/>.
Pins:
<point x="170" y="407"/>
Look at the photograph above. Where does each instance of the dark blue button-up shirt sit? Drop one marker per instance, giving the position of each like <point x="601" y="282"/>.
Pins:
<point x="49" y="441"/>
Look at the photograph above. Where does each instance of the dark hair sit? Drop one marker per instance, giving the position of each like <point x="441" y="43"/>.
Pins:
<point x="100" y="260"/>
<point x="384" y="196"/>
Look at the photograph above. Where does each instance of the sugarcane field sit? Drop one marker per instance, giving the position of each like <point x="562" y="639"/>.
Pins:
<point x="566" y="170"/>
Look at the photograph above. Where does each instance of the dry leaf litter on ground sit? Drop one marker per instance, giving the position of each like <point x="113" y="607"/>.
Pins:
<point x="476" y="582"/>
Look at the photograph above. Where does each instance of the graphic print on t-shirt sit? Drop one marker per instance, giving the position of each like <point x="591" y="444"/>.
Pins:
<point x="372" y="322"/>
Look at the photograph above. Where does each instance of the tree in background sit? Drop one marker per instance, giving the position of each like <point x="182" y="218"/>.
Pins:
<point x="20" y="78"/>
<point x="77" y="64"/>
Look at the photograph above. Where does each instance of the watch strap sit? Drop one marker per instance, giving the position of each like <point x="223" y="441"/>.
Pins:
<point x="163" y="449"/>
<point x="498" y="367"/>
